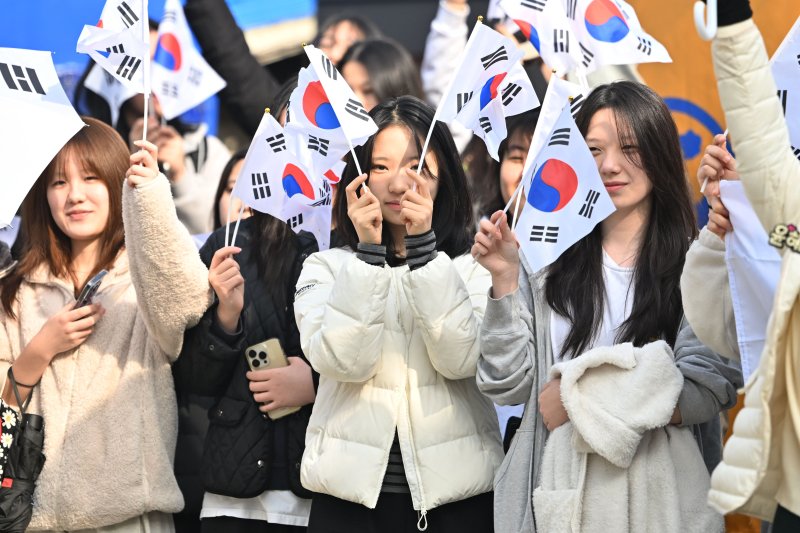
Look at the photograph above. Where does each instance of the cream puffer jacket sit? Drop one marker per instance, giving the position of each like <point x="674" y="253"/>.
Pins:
<point x="109" y="405"/>
<point x="396" y="350"/>
<point x="761" y="460"/>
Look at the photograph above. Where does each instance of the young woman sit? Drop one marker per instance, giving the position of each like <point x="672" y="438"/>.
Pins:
<point x="400" y="436"/>
<point x="609" y="298"/>
<point x="250" y="462"/>
<point x="100" y="374"/>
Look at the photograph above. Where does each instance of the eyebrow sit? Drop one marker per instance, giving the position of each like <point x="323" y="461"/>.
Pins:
<point x="516" y="147"/>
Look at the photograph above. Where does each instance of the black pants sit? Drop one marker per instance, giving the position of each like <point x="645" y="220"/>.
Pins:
<point x="785" y="522"/>
<point x="395" y="514"/>
<point x="229" y="524"/>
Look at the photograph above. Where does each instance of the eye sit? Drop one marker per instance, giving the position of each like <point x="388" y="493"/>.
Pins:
<point x="377" y="167"/>
<point x="91" y="178"/>
<point x="57" y="182"/>
<point x="594" y="149"/>
<point x="630" y="149"/>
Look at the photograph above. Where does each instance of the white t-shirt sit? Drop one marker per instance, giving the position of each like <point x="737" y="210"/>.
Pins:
<point x="273" y="506"/>
<point x="618" y="304"/>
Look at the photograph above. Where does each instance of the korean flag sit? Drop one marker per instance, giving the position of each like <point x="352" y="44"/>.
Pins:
<point x="786" y="71"/>
<point x="564" y="196"/>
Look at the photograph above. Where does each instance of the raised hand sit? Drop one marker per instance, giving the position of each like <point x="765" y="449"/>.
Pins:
<point x="364" y="212"/>
<point x="717" y="164"/>
<point x="228" y="284"/>
<point x="496" y="249"/>
<point x="417" y="206"/>
<point x="144" y="166"/>
<point x="288" y="386"/>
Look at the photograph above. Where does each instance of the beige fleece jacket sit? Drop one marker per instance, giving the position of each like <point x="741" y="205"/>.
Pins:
<point x="109" y="405"/>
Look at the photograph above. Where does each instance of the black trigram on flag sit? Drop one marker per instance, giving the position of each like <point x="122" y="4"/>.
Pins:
<point x="170" y="15"/>
<point x="169" y="89"/>
<point x="544" y="234"/>
<point x="575" y="105"/>
<point x="498" y="55"/>
<point x="645" y="45"/>
<point x="586" y="54"/>
<point x="260" y="185"/>
<point x="319" y="144"/>
<point x="486" y="125"/>
<point x="295" y="221"/>
<point x="510" y="92"/>
<point x="355" y="108"/>
<point x="782" y="96"/>
<point x="128" y="67"/>
<point x="798" y="59"/>
<point x="329" y="69"/>
<point x="796" y="152"/>
<point x="22" y="79"/>
<point x="277" y="143"/>
<point x="128" y="16"/>
<point x="116" y="49"/>
<point x="561" y="41"/>
<point x="588" y="205"/>
<point x="462" y="99"/>
<point x="559" y="137"/>
<point x="572" y="6"/>
<point x="195" y="76"/>
<point x="537" y="5"/>
<point x="326" y="200"/>
<point x="288" y="107"/>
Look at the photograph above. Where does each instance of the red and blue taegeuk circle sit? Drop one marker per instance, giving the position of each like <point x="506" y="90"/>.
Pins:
<point x="295" y="181"/>
<point x="553" y="186"/>
<point x="605" y="21"/>
<point x="489" y="90"/>
<point x="168" y="52"/>
<point x="317" y="108"/>
<point x="530" y="33"/>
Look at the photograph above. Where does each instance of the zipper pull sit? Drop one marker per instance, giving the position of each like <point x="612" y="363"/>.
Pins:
<point x="423" y="519"/>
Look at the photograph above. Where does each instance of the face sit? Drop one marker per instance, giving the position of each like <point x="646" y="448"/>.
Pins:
<point x="513" y="163"/>
<point x="222" y="206"/>
<point x="338" y="38"/>
<point x="393" y="153"/>
<point x="358" y="78"/>
<point x="78" y="202"/>
<point x="619" y="165"/>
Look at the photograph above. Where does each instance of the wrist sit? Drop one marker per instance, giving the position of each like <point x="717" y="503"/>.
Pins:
<point x="503" y="285"/>
<point x="228" y="319"/>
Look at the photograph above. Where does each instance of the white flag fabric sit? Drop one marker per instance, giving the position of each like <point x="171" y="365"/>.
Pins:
<point x="120" y="15"/>
<point x="38" y="119"/>
<point x="324" y="117"/>
<point x="181" y="78"/>
<point x="754" y="268"/>
<point x="488" y="86"/>
<point x="121" y="53"/>
<point x="786" y="71"/>
<point x="546" y="25"/>
<point x="274" y="181"/>
<point x="105" y="85"/>
<point x="565" y="196"/>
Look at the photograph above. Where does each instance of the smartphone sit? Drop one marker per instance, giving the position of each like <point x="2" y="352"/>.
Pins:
<point x="269" y="354"/>
<point x="85" y="297"/>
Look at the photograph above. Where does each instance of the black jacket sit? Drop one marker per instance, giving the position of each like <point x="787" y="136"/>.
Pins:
<point x="245" y="452"/>
<point x="250" y="87"/>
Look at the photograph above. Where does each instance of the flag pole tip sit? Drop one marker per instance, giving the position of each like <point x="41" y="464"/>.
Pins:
<point x="303" y="45"/>
<point x="570" y="98"/>
<point x="266" y="111"/>
<point x="480" y="18"/>
<point x="554" y="71"/>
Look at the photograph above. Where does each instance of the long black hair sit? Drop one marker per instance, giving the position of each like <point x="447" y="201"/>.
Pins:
<point x="574" y="286"/>
<point x="452" y="209"/>
<point x="391" y="69"/>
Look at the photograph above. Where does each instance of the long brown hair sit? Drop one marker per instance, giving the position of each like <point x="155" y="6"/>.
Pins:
<point x="99" y="150"/>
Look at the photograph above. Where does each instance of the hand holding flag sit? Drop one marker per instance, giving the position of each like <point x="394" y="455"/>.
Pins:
<point x="364" y="211"/>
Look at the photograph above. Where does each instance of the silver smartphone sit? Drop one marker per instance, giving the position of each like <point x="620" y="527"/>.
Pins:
<point x="87" y="293"/>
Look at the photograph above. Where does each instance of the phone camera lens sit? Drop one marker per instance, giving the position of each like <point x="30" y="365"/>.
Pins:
<point x="251" y="353"/>
<point x="262" y="356"/>
<point x="256" y="363"/>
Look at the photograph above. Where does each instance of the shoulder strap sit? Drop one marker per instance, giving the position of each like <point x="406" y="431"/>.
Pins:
<point x="23" y="406"/>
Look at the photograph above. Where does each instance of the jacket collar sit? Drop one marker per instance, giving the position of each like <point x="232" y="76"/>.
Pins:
<point x="41" y="275"/>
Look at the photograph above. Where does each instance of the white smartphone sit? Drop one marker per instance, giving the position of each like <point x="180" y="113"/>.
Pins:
<point x="269" y="354"/>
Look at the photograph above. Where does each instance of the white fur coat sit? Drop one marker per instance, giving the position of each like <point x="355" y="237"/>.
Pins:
<point x="617" y="465"/>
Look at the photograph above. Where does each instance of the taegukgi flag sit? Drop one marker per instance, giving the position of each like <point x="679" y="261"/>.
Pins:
<point x="324" y="117"/>
<point x="38" y="119"/>
<point x="786" y="71"/>
<point x="110" y="89"/>
<point x="565" y="197"/>
<point x="274" y="181"/>
<point x="181" y="78"/>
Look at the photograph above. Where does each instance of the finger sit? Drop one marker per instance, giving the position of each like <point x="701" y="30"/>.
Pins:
<point x="484" y="240"/>
<point x="264" y="397"/>
<point x="232" y="284"/>
<point x="222" y="254"/>
<point x="351" y="189"/>
<point x="505" y="229"/>
<point x="423" y="188"/>
<point x="489" y="229"/>
<point x="479" y="249"/>
<point x="148" y="147"/>
<point x="719" y="153"/>
<point x="722" y="222"/>
<point x="82" y="312"/>
<point x="720" y="139"/>
<point x="258" y="376"/>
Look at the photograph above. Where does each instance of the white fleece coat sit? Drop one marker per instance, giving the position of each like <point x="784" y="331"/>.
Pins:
<point x="109" y="405"/>
<point x="396" y="350"/>
<point x="616" y="465"/>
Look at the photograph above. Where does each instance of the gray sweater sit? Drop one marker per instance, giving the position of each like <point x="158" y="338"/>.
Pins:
<point x="516" y="355"/>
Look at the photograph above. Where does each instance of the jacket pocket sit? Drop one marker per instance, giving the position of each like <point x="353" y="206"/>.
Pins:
<point x="554" y="509"/>
<point x="237" y="449"/>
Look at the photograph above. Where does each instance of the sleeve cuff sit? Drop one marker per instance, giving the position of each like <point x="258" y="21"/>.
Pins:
<point x="711" y="241"/>
<point x="231" y="339"/>
<point x="501" y="313"/>
<point x="373" y="254"/>
<point x="732" y="11"/>
<point x="450" y="21"/>
<point x="420" y="249"/>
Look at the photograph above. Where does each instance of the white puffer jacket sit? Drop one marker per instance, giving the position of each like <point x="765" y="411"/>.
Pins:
<point x="396" y="350"/>
<point x="761" y="460"/>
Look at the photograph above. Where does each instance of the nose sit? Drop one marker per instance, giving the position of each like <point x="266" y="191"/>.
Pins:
<point x="610" y="165"/>
<point x="76" y="193"/>
<point x="400" y="182"/>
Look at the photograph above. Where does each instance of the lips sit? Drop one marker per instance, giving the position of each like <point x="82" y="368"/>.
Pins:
<point x="78" y="215"/>
<point x="612" y="186"/>
<point x="395" y="206"/>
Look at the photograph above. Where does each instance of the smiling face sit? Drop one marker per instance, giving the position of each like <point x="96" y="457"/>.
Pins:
<point x="619" y="163"/>
<point x="393" y="153"/>
<point x="79" y="202"/>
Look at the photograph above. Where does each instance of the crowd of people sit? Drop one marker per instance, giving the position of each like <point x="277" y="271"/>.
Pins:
<point x="407" y="337"/>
